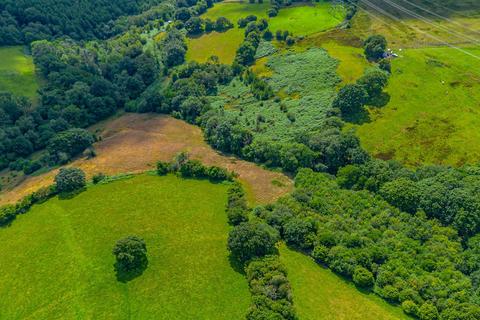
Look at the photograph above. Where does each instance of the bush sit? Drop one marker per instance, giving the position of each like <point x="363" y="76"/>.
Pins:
<point x="69" y="180"/>
<point x="410" y="308"/>
<point x="236" y="205"/>
<point x="192" y="169"/>
<point x="299" y="233"/>
<point x="363" y="278"/>
<point x="350" y="99"/>
<point x="163" y="168"/>
<point x="97" y="178"/>
<point x="375" y="47"/>
<point x="7" y="214"/>
<point x="428" y="312"/>
<point x="130" y="254"/>
<point x="251" y="240"/>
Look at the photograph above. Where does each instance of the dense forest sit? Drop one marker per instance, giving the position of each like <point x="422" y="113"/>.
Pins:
<point x="24" y="21"/>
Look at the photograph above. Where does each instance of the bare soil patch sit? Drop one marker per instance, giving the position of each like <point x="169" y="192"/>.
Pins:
<point x="134" y="142"/>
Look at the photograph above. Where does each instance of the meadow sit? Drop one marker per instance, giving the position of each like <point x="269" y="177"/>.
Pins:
<point x="301" y="20"/>
<point x="319" y="294"/>
<point x="306" y="81"/>
<point x="433" y="113"/>
<point x="17" y="72"/>
<point x="57" y="259"/>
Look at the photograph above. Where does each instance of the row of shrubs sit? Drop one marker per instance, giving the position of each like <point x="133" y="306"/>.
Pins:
<point x="193" y="169"/>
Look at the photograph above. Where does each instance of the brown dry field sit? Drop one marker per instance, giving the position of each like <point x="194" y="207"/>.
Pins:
<point x="132" y="143"/>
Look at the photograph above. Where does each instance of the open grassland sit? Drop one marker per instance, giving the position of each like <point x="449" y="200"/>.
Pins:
<point x="410" y="32"/>
<point x="57" y="259"/>
<point x="352" y="62"/>
<point x="305" y="19"/>
<point x="135" y="142"/>
<point x="301" y="19"/>
<point x="434" y="112"/>
<point x="319" y="294"/>
<point x="224" y="44"/>
<point x="17" y="72"/>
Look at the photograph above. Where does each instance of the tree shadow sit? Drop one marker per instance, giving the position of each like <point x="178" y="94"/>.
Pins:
<point x="125" y="276"/>
<point x="71" y="194"/>
<point x="236" y="265"/>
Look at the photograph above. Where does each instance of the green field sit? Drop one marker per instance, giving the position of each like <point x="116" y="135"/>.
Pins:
<point x="56" y="260"/>
<point x="300" y="19"/>
<point x="17" y="72"/>
<point x="433" y="115"/>
<point x="319" y="294"/>
<point x="225" y="44"/>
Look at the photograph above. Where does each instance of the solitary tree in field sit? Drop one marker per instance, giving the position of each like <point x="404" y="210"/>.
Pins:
<point x="131" y="256"/>
<point x="350" y="99"/>
<point x="69" y="180"/>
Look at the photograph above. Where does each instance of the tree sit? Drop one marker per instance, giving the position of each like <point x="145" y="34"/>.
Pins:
<point x="362" y="277"/>
<point x="72" y="142"/>
<point x="350" y="99"/>
<point x="251" y="240"/>
<point x="374" y="82"/>
<point x="245" y="53"/>
<point x="402" y="193"/>
<point x="130" y="254"/>
<point x="163" y="168"/>
<point x="299" y="232"/>
<point x="428" y="312"/>
<point x="69" y="180"/>
<point x="223" y="24"/>
<point x="194" y="25"/>
<point x="375" y="47"/>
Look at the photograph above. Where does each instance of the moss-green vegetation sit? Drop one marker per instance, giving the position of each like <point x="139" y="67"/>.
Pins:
<point x="57" y="259"/>
<point x="306" y="80"/>
<point x="303" y="20"/>
<point x="17" y="72"/>
<point x="319" y="294"/>
<point x="433" y="114"/>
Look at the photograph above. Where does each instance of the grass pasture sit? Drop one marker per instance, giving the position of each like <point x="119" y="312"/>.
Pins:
<point x="17" y="72"/>
<point x="300" y="19"/>
<point x="305" y="19"/>
<point x="433" y="115"/>
<point x="224" y="44"/>
<point x="319" y="294"/>
<point x="57" y="262"/>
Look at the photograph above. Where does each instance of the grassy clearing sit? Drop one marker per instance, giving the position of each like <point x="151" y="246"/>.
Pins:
<point x="64" y="250"/>
<point x="352" y="62"/>
<point x="17" y="72"/>
<point x="319" y="294"/>
<point x="135" y="142"/>
<point x="225" y="44"/>
<point x="433" y="115"/>
<point x="302" y="20"/>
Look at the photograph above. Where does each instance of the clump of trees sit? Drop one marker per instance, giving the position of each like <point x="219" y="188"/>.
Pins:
<point x="250" y="240"/>
<point x="130" y="256"/>
<point x="237" y="209"/>
<point x="70" y="180"/>
<point x="271" y="290"/>
<point x="375" y="47"/>
<point x="403" y="257"/>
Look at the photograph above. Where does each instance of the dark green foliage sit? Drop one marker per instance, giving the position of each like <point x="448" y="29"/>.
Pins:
<point x="242" y="23"/>
<point x="69" y="180"/>
<point x="222" y="24"/>
<point x="7" y="215"/>
<point x="99" y="177"/>
<point x="375" y="46"/>
<point x="299" y="233"/>
<point x="130" y="254"/>
<point x="373" y="82"/>
<point x="362" y="237"/>
<point x="250" y="240"/>
<point x="363" y="278"/>
<point x="29" y="20"/>
<point x="163" y="168"/>
<point x="174" y="49"/>
<point x="350" y="99"/>
<point x="71" y="142"/>
<point x="237" y="209"/>
<point x="194" y="26"/>
<point x="270" y="289"/>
